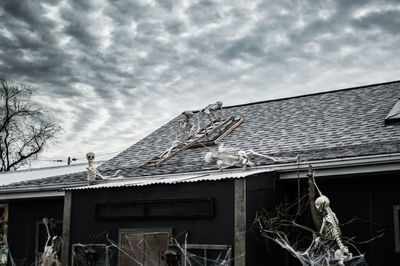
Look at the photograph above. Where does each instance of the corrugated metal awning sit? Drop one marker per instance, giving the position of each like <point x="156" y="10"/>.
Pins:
<point x="171" y="179"/>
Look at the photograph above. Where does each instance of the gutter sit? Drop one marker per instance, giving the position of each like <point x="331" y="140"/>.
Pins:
<point x="30" y="195"/>
<point x="37" y="191"/>
<point x="346" y="166"/>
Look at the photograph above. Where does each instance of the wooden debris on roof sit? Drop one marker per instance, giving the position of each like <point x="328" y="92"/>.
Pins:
<point x="187" y="137"/>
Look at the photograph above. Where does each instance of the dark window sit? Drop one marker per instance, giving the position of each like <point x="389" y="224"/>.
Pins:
<point x="143" y="246"/>
<point x="165" y="209"/>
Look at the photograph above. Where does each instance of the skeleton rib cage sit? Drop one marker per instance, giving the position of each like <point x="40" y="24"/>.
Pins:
<point x="189" y="141"/>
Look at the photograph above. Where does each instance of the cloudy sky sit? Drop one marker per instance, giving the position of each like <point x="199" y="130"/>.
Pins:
<point x="113" y="71"/>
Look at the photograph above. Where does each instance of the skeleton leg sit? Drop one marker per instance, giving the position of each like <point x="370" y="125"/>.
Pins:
<point x="255" y="154"/>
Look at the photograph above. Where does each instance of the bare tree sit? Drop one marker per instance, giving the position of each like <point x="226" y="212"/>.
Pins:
<point x="25" y="127"/>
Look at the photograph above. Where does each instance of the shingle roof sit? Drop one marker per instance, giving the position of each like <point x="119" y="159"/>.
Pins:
<point x="334" y="124"/>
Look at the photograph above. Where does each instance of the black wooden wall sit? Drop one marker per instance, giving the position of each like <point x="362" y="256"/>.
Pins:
<point x="22" y="221"/>
<point x="215" y="230"/>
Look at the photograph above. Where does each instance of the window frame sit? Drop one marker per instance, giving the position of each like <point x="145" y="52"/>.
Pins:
<point x="396" y="223"/>
<point x="122" y="231"/>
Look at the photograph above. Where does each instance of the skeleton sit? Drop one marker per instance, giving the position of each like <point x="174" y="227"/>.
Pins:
<point x="227" y="157"/>
<point x="185" y="130"/>
<point x="330" y="227"/>
<point x="209" y="111"/>
<point x="92" y="172"/>
<point x="52" y="247"/>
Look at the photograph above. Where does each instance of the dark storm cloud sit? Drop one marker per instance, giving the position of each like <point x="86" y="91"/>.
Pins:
<point x="174" y="26"/>
<point x="249" y="46"/>
<point x="204" y="12"/>
<point x="388" y="20"/>
<point x="28" y="12"/>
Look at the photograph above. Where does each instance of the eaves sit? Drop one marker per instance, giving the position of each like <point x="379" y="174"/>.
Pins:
<point x="386" y="163"/>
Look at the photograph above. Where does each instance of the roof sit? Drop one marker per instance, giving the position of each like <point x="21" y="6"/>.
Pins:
<point x="172" y="179"/>
<point x="330" y="125"/>
<point x="30" y="175"/>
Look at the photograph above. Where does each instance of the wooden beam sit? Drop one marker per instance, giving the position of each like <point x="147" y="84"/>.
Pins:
<point x="66" y="228"/>
<point x="194" y="141"/>
<point x="238" y="123"/>
<point x="240" y="223"/>
<point x="190" y="141"/>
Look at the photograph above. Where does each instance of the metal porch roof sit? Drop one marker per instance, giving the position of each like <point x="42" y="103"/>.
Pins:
<point x="172" y="179"/>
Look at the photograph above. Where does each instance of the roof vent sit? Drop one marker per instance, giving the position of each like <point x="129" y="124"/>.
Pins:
<point x="394" y="114"/>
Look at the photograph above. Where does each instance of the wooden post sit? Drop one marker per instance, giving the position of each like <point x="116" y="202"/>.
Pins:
<point x="66" y="228"/>
<point x="5" y="220"/>
<point x="240" y="222"/>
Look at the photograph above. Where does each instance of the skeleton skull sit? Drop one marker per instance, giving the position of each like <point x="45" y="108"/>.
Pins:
<point x="210" y="157"/>
<point x="90" y="156"/>
<point x="322" y="202"/>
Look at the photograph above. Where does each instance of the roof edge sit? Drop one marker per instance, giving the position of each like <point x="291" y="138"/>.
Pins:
<point x="306" y="95"/>
<point x="391" y="160"/>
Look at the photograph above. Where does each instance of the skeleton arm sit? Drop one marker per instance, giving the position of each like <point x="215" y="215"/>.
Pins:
<point x="46" y="224"/>
<point x="321" y="230"/>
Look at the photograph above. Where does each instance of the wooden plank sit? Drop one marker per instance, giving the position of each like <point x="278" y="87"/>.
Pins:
<point x="194" y="142"/>
<point x="240" y="223"/>
<point x="66" y="228"/>
<point x="396" y="223"/>
<point x="229" y="131"/>
<point x="207" y="246"/>
<point x="158" y="160"/>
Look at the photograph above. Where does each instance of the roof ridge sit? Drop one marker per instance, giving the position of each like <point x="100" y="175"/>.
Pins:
<point x="306" y="95"/>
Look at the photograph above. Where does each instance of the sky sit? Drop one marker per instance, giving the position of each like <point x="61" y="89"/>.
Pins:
<point x="112" y="72"/>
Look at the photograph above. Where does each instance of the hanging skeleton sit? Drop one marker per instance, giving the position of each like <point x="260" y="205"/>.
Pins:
<point x="330" y="226"/>
<point x="92" y="172"/>
<point x="185" y="130"/>
<point x="52" y="248"/>
<point x="228" y="157"/>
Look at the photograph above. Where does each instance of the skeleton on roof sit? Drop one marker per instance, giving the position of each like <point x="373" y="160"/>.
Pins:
<point x="185" y="131"/>
<point x="330" y="226"/>
<point x="228" y="157"/>
<point x="210" y="110"/>
<point x="92" y="172"/>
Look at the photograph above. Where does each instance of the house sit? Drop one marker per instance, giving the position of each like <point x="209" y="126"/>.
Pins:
<point x="29" y="195"/>
<point x="351" y="137"/>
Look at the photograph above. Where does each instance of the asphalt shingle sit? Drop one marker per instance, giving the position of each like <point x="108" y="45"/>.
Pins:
<point x="335" y="124"/>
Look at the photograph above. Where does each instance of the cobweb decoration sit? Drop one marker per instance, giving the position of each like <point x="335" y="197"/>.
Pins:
<point x="288" y="225"/>
<point x="141" y="252"/>
<point x="93" y="254"/>
<point x="319" y="253"/>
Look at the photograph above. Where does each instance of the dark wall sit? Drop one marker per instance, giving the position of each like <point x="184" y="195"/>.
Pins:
<point x="216" y="230"/>
<point x="22" y="221"/>
<point x="370" y="198"/>
<point x="262" y="193"/>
